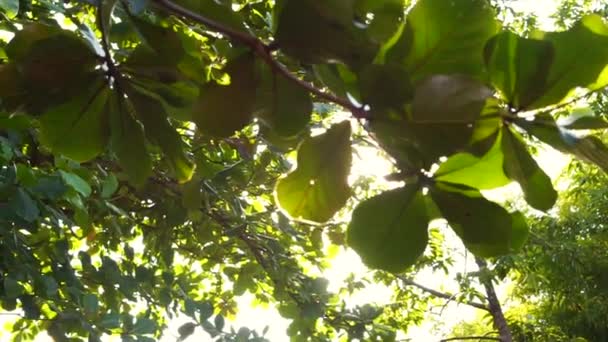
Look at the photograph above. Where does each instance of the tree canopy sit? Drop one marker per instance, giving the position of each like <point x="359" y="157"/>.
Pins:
<point x="166" y="156"/>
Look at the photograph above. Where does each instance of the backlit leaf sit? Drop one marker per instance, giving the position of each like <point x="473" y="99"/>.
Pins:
<point x="521" y="167"/>
<point x="223" y="109"/>
<point x="444" y="37"/>
<point x="389" y="231"/>
<point x="485" y="228"/>
<point x="318" y="188"/>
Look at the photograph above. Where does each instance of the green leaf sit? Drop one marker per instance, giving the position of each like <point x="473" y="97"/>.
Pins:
<point x="90" y="304"/>
<point x="144" y="326"/>
<point x="385" y="87"/>
<point x="163" y="40"/>
<point x="486" y="228"/>
<point x="389" y="231"/>
<point x="110" y="321"/>
<point x="10" y="7"/>
<point x="219" y="322"/>
<point x="23" y="40"/>
<point x="282" y="105"/>
<point x="192" y="197"/>
<point x="518" y="67"/>
<point x="570" y="67"/>
<point x="333" y="37"/>
<point x="128" y="143"/>
<point x="484" y="172"/>
<point x="24" y="206"/>
<point x="160" y="132"/>
<point x="76" y="183"/>
<point x="444" y="37"/>
<point x="83" y="119"/>
<point x="521" y="167"/>
<point x="221" y="110"/>
<point x="318" y="188"/>
<point x="12" y="289"/>
<point x="446" y="107"/>
<point x="185" y="330"/>
<point x="590" y="148"/>
<point x="109" y="186"/>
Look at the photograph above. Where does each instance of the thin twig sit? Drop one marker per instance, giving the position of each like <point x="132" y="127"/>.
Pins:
<point x="443" y="295"/>
<point x="264" y="51"/>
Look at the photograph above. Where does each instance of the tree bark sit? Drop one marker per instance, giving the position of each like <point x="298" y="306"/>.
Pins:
<point x="498" y="316"/>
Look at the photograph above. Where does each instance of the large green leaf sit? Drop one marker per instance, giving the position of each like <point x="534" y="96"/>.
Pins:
<point x="323" y="31"/>
<point x="10" y="7"/>
<point x="486" y="228"/>
<point x="23" y="205"/>
<point x="521" y="167"/>
<point x="223" y="109"/>
<point x="282" y="105"/>
<point x="572" y="66"/>
<point x="163" y="40"/>
<point x="389" y="231"/>
<point x="590" y="148"/>
<point x="485" y="172"/>
<point x="128" y="142"/>
<point x="318" y="188"/>
<point x="518" y="67"/>
<point x="23" y="40"/>
<point x="444" y="37"/>
<point x="160" y="132"/>
<point x="444" y="113"/>
<point x="78" y="129"/>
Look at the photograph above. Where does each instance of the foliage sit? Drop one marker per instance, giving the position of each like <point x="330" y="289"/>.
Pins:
<point x="142" y="142"/>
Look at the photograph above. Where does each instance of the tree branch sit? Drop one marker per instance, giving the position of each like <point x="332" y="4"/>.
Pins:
<point x="264" y="51"/>
<point x="494" y="304"/>
<point x="443" y="295"/>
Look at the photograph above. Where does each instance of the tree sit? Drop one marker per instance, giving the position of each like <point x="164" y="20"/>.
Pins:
<point x="142" y="138"/>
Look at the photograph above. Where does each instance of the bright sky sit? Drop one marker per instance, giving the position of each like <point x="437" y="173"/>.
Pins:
<point x="348" y="262"/>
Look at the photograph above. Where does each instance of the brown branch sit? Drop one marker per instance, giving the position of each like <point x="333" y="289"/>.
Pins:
<point x="443" y="295"/>
<point x="494" y="304"/>
<point x="264" y="51"/>
<point x="487" y="338"/>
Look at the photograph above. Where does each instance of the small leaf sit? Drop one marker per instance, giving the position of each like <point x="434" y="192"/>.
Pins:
<point x="486" y="228"/>
<point x="109" y="186"/>
<point x="12" y="288"/>
<point x="283" y="106"/>
<point x="83" y="120"/>
<point x="478" y="172"/>
<point x="389" y="231"/>
<point x="144" y="326"/>
<point x="205" y="310"/>
<point x="128" y="143"/>
<point x="444" y="37"/>
<point x="90" y="304"/>
<point x="76" y="183"/>
<point x="10" y="7"/>
<point x="318" y="188"/>
<point x="521" y="167"/>
<point x="185" y="330"/>
<point x="216" y="11"/>
<point x="110" y="321"/>
<point x="222" y="110"/>
<point x="24" y="206"/>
